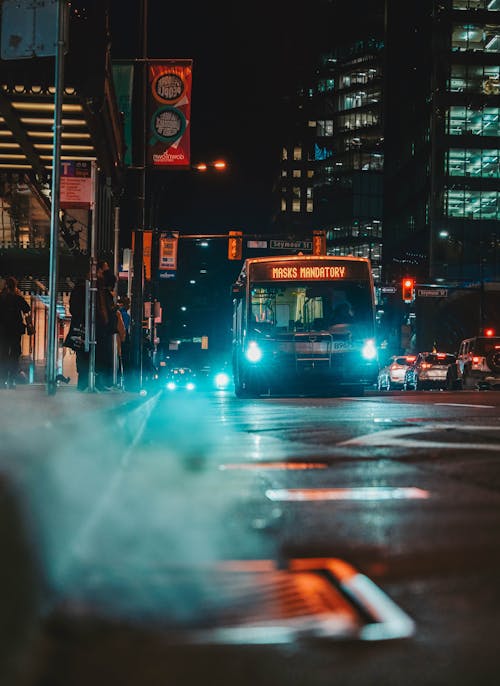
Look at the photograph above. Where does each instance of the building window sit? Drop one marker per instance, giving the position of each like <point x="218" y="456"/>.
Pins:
<point x="283" y="204"/>
<point x="484" y="79"/>
<point x="472" y="204"/>
<point x="284" y="154"/>
<point x="359" y="99"/>
<point x="296" y="192"/>
<point x="310" y="173"/>
<point x="324" y="127"/>
<point x="472" y="162"/>
<point x="284" y="173"/>
<point x="297" y="153"/>
<point x="309" y="206"/>
<point x="482" y="122"/>
<point x="476" y="37"/>
<point x="295" y="205"/>
<point x="297" y="173"/>
<point x="358" y="120"/>
<point x="492" y="5"/>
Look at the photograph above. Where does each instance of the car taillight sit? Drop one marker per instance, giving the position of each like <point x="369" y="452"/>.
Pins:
<point x="475" y="360"/>
<point x="426" y="365"/>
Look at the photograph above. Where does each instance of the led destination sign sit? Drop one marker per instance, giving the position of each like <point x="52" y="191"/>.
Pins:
<point x="321" y="270"/>
<point x="304" y="272"/>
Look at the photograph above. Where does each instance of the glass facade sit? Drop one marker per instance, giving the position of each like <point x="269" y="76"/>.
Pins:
<point x="481" y="121"/>
<point x="475" y="78"/>
<point x="473" y="162"/>
<point x="485" y="38"/>
<point x="472" y="204"/>
<point x="492" y="5"/>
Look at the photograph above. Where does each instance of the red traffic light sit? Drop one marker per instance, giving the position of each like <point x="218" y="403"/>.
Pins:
<point x="489" y="332"/>
<point x="408" y="289"/>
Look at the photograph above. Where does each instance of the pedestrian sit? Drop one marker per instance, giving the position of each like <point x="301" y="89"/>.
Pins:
<point x="106" y="328"/>
<point x="124" y="309"/>
<point x="77" y="301"/>
<point x="15" y="320"/>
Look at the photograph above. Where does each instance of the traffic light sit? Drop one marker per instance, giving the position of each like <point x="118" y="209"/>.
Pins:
<point x="489" y="332"/>
<point x="235" y="245"/>
<point x="319" y="242"/>
<point x="408" y="289"/>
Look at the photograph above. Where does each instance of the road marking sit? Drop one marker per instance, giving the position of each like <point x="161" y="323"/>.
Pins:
<point x="395" y="437"/>
<point x="364" y="493"/>
<point x="464" y="405"/>
<point x="274" y="465"/>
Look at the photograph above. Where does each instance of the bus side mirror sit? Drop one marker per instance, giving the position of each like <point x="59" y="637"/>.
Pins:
<point x="236" y="291"/>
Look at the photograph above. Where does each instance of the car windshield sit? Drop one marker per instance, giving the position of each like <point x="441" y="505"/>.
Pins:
<point x="439" y="358"/>
<point x="402" y="360"/>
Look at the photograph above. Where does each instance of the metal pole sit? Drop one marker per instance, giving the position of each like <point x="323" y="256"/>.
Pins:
<point x="116" y="267"/>
<point x="138" y="276"/>
<point x="55" y="203"/>
<point x="93" y="282"/>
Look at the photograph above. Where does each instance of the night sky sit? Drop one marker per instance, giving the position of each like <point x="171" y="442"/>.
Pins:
<point x="246" y="57"/>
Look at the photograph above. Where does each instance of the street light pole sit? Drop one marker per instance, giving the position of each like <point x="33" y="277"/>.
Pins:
<point x="55" y="202"/>
<point x="138" y="256"/>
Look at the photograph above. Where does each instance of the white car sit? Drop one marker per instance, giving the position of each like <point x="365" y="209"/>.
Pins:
<point x="392" y="374"/>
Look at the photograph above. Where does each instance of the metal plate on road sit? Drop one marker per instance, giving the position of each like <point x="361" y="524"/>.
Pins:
<point x="243" y="602"/>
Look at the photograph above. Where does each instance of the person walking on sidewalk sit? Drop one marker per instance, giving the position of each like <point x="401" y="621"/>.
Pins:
<point x="15" y="320"/>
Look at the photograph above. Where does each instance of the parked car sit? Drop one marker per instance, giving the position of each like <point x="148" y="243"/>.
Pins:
<point x="430" y="370"/>
<point x="477" y="364"/>
<point x="392" y="374"/>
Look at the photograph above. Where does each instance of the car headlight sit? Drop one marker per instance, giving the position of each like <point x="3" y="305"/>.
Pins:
<point x="253" y="353"/>
<point x="190" y="386"/>
<point x="171" y="386"/>
<point x="222" y="380"/>
<point x="369" y="351"/>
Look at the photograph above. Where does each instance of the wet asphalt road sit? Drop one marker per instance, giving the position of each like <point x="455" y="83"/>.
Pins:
<point x="404" y="487"/>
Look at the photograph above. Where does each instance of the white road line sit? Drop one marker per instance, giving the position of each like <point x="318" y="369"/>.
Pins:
<point x="396" y="437"/>
<point x="465" y="405"/>
<point x="360" y="493"/>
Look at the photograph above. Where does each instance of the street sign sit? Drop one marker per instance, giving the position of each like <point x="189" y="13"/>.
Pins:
<point x="29" y="29"/>
<point x="388" y="289"/>
<point x="290" y="245"/>
<point x="432" y="292"/>
<point x="77" y="184"/>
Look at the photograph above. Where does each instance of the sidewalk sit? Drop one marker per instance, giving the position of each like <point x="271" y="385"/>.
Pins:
<point x="32" y="404"/>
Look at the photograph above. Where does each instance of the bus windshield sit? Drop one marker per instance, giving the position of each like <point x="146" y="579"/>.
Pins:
<point x="311" y="306"/>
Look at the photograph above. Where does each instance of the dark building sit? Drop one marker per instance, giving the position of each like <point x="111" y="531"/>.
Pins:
<point x="91" y="132"/>
<point x="331" y="176"/>
<point x="442" y="195"/>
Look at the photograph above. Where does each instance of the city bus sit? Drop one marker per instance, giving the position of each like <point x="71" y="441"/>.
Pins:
<point x="304" y="324"/>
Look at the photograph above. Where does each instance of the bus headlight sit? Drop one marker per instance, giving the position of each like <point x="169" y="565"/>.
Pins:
<point x="253" y="353"/>
<point x="369" y="351"/>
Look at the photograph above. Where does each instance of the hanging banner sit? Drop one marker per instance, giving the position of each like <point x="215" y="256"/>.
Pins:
<point x="169" y="111"/>
<point x="167" y="254"/>
<point x="123" y="77"/>
<point x="147" y="241"/>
